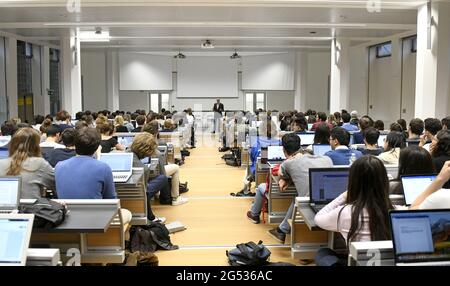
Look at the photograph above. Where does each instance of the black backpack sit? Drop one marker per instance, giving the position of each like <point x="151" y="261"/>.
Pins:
<point x="248" y="254"/>
<point x="47" y="213"/>
<point x="149" y="238"/>
<point x="235" y="158"/>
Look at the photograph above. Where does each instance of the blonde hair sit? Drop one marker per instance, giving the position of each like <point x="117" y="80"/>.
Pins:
<point x="102" y="125"/>
<point x="119" y="120"/>
<point x="144" y="145"/>
<point x="24" y="144"/>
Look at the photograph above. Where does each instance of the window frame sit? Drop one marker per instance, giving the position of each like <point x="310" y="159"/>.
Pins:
<point x="379" y="47"/>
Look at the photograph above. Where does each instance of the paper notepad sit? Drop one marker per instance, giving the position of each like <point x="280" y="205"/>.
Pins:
<point x="175" y="226"/>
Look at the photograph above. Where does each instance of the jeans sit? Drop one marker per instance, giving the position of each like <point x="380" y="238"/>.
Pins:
<point x="159" y="184"/>
<point x="284" y="225"/>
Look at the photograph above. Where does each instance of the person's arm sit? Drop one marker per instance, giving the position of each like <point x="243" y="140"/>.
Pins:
<point x="435" y="186"/>
<point x="422" y="140"/>
<point x="116" y="144"/>
<point x="109" y="190"/>
<point x="47" y="176"/>
<point x="327" y="218"/>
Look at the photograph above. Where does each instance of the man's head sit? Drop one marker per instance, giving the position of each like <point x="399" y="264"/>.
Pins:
<point x="346" y="117"/>
<point x="291" y="144"/>
<point x="140" y="120"/>
<point x="38" y="119"/>
<point x="446" y="123"/>
<point x="416" y="126"/>
<point x="63" y="116"/>
<point x="218" y="100"/>
<point x="371" y="136"/>
<point x="322" y="116"/>
<point x="68" y="137"/>
<point x="8" y="128"/>
<point x="151" y="127"/>
<point x="339" y="137"/>
<point x="87" y="141"/>
<point x="432" y="127"/>
<point x="53" y="132"/>
<point x="365" y="122"/>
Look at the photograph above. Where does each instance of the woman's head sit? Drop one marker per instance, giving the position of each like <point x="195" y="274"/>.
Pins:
<point x="415" y="160"/>
<point x="119" y="120"/>
<point x="441" y="144"/>
<point x="322" y="134"/>
<point x="24" y="144"/>
<point x="394" y="140"/>
<point x="144" y="145"/>
<point x="368" y="190"/>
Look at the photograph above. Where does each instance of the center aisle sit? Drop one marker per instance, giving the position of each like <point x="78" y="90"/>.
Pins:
<point x="215" y="220"/>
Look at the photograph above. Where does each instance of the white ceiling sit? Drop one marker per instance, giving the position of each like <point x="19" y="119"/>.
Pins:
<point x="247" y="25"/>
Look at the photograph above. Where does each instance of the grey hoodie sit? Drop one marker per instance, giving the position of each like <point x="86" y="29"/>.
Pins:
<point x="36" y="174"/>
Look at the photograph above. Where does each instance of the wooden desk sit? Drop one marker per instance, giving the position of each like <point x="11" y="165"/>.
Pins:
<point x="279" y="202"/>
<point x="261" y="172"/>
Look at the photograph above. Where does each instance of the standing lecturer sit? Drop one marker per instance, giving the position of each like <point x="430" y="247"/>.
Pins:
<point x="218" y="109"/>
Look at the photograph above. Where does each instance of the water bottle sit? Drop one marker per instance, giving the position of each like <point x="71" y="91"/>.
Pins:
<point x="352" y="159"/>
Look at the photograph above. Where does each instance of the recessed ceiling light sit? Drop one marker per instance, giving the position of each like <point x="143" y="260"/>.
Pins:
<point x="313" y="32"/>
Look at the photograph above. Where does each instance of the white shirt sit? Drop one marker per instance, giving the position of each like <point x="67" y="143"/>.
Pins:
<point x="437" y="200"/>
<point x="190" y="118"/>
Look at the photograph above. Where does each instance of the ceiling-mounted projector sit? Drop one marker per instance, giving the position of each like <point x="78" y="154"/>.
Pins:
<point x="235" y="55"/>
<point x="207" y="45"/>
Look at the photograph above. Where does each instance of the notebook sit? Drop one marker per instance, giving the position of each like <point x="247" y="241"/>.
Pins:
<point x="4" y="153"/>
<point x="326" y="184"/>
<point x="121" y="165"/>
<point x="175" y="226"/>
<point x="9" y="193"/>
<point x="420" y="237"/>
<point x="413" y="186"/>
<point x="15" y="234"/>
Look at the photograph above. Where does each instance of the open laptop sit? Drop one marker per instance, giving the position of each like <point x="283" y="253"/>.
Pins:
<point x="321" y="149"/>
<point x="121" y="165"/>
<point x="306" y="139"/>
<point x="421" y="237"/>
<point x="9" y="194"/>
<point x="326" y="184"/>
<point x="15" y="234"/>
<point x="414" y="185"/>
<point x="4" y="153"/>
<point x="275" y="154"/>
<point x="125" y="140"/>
<point x="381" y="140"/>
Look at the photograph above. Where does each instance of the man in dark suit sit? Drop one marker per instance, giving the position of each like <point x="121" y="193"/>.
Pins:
<point x="218" y="109"/>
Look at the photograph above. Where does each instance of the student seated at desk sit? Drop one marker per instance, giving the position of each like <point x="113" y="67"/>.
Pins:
<point x="395" y="141"/>
<point x="364" y="123"/>
<point x="106" y="129"/>
<point x="340" y="153"/>
<point x="361" y="213"/>
<point x="140" y="121"/>
<point x="321" y="136"/>
<point x="346" y="117"/>
<point x="432" y="126"/>
<point x="435" y="196"/>
<point x="440" y="151"/>
<point x="25" y="160"/>
<point x="295" y="169"/>
<point x="52" y="137"/>
<point x="119" y="124"/>
<point x="414" y="160"/>
<point x="144" y="146"/>
<point x="371" y="136"/>
<point x="56" y="155"/>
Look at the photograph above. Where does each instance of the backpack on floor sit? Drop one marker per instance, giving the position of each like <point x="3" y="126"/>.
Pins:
<point x="248" y="254"/>
<point x="235" y="159"/>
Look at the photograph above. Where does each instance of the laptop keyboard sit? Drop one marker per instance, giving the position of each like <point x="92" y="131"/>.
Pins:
<point x="317" y="208"/>
<point x="120" y="177"/>
<point x="5" y="211"/>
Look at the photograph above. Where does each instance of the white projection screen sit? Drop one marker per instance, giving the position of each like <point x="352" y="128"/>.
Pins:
<point x="207" y="77"/>
<point x="141" y="71"/>
<point x="268" y="72"/>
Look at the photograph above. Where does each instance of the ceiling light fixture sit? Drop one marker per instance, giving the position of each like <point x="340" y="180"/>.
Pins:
<point x="94" y="36"/>
<point x="207" y="45"/>
<point x="235" y="55"/>
<point x="179" y="55"/>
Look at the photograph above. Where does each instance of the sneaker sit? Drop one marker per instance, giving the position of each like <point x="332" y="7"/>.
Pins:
<point x="179" y="201"/>
<point x="159" y="219"/>
<point x="277" y="234"/>
<point x="253" y="218"/>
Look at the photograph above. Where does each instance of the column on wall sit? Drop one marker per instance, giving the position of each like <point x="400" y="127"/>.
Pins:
<point x="340" y="75"/>
<point x="301" y="69"/>
<point x="45" y="71"/>
<point x="71" y="73"/>
<point x="112" y="80"/>
<point x="433" y="65"/>
<point x="11" y="76"/>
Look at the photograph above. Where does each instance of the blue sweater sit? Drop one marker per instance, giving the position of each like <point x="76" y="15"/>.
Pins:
<point x="342" y="156"/>
<point x="255" y="150"/>
<point x="84" y="177"/>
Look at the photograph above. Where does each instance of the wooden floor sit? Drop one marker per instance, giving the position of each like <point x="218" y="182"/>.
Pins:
<point x="215" y="220"/>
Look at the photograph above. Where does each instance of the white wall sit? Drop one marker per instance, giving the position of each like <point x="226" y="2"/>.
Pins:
<point x="358" y="79"/>
<point x="317" y="82"/>
<point x="408" y="81"/>
<point x="93" y="71"/>
<point x="133" y="100"/>
<point x="280" y="100"/>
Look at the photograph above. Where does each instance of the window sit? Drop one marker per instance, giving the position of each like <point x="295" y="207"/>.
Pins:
<point x="3" y="98"/>
<point x="384" y="50"/>
<point x="54" y="91"/>
<point x="159" y="101"/>
<point x="255" y="101"/>
<point x="25" y="81"/>
<point x="414" y="44"/>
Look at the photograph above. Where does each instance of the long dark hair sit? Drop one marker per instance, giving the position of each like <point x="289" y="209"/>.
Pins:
<point x="395" y="140"/>
<point x="415" y="160"/>
<point x="322" y="134"/>
<point x="368" y="190"/>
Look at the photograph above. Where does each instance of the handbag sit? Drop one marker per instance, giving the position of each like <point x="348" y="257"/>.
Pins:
<point x="47" y="213"/>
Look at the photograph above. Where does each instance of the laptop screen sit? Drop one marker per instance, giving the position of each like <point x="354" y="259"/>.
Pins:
<point x="14" y="240"/>
<point x="118" y="162"/>
<point x="413" y="186"/>
<point x="381" y="140"/>
<point x="421" y="236"/>
<point x="4" y="153"/>
<point x="9" y="192"/>
<point x="310" y="125"/>
<point x="306" y="138"/>
<point x="320" y="150"/>
<point x="125" y="140"/>
<point x="275" y="153"/>
<point x="327" y="184"/>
